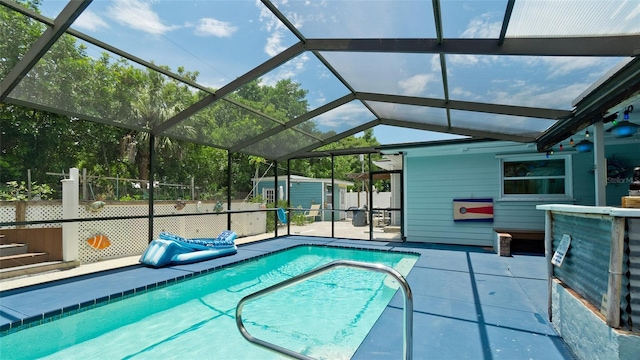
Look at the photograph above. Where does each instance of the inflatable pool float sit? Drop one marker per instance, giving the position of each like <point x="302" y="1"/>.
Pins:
<point x="171" y="249"/>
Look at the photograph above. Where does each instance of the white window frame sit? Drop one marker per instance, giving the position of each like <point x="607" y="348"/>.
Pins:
<point x="269" y="195"/>
<point x="568" y="178"/>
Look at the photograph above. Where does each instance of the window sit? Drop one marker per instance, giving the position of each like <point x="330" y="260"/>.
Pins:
<point x="269" y="195"/>
<point x="536" y="177"/>
<point x="328" y="196"/>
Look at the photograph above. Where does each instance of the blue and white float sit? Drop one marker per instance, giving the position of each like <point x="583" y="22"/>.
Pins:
<point x="171" y="249"/>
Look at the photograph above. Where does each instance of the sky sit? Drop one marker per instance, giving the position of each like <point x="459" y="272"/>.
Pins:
<point x="222" y="40"/>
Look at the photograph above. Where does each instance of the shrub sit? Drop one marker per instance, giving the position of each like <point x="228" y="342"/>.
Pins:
<point x="19" y="192"/>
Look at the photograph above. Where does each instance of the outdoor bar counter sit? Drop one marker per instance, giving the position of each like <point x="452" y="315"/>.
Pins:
<point x="594" y="283"/>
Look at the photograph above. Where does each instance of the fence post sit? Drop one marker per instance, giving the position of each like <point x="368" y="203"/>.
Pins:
<point x="615" y="272"/>
<point x="28" y="184"/>
<point x="70" y="204"/>
<point x="193" y="188"/>
<point x="548" y="254"/>
<point x="84" y="185"/>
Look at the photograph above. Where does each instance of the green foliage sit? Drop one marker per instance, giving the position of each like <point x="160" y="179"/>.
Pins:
<point x="113" y="90"/>
<point x="128" y="197"/>
<point x="18" y="191"/>
<point x="271" y="215"/>
<point x="297" y="217"/>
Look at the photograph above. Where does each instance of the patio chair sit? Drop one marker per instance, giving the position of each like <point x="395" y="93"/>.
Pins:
<point x="312" y="212"/>
<point x="282" y="217"/>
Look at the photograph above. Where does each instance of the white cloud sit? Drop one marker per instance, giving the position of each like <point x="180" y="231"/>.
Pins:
<point x="345" y="116"/>
<point x="275" y="28"/>
<point x="288" y="70"/>
<point x="416" y="84"/>
<point x="139" y="15"/>
<point x="274" y="44"/>
<point x="90" y="21"/>
<point x="435" y="64"/>
<point x="483" y="27"/>
<point x="523" y="94"/>
<point x="461" y="93"/>
<point x="565" y="65"/>
<point x="213" y="27"/>
<point x="463" y="60"/>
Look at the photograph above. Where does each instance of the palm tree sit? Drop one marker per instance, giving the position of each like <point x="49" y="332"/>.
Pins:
<point x="149" y="110"/>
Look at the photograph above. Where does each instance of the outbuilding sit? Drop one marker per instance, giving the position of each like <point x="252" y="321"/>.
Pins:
<point x="306" y="193"/>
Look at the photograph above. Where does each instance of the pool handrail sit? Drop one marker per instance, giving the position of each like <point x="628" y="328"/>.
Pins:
<point x="404" y="285"/>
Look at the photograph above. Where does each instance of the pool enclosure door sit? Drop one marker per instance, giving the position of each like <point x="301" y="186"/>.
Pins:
<point x="386" y="205"/>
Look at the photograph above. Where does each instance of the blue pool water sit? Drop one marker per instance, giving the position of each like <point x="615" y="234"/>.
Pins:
<point x="326" y="317"/>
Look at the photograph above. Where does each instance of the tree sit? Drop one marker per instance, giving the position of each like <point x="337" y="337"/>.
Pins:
<point x="110" y="89"/>
<point x="159" y="100"/>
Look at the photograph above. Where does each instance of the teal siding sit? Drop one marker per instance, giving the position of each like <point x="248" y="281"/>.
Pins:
<point x="265" y="184"/>
<point x="432" y="182"/>
<point x="336" y="200"/>
<point x="583" y="180"/>
<point x="304" y="194"/>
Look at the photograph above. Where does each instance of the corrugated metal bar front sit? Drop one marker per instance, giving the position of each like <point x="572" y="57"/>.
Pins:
<point x="586" y="265"/>
<point x="631" y="282"/>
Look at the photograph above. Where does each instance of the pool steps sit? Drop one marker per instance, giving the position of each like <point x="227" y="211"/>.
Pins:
<point x="404" y="285"/>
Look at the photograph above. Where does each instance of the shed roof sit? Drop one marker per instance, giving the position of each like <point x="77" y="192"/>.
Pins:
<point x="298" y="178"/>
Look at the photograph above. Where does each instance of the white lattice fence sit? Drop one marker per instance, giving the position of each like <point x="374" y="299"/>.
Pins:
<point x="35" y="210"/>
<point x="7" y="213"/>
<point x="127" y="237"/>
<point x="130" y="236"/>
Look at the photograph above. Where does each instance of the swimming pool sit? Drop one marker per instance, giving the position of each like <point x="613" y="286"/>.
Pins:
<point x="325" y="317"/>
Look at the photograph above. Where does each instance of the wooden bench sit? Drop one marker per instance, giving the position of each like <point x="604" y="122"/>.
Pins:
<point x="519" y="240"/>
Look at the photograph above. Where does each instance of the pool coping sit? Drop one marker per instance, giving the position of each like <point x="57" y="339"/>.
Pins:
<point x="49" y="315"/>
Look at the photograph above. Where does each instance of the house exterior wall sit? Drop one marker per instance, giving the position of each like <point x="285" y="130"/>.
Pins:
<point x="629" y="156"/>
<point x="326" y="215"/>
<point x="436" y="176"/>
<point x="617" y="187"/>
<point x="432" y="182"/>
<point x="305" y="194"/>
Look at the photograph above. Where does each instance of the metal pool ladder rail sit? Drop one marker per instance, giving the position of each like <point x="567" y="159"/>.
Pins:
<point x="408" y="304"/>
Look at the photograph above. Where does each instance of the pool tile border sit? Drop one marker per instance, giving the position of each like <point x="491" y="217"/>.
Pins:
<point x="70" y="310"/>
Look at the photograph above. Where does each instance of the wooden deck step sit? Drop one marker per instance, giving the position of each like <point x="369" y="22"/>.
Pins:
<point x="13" y="249"/>
<point x="23" y="259"/>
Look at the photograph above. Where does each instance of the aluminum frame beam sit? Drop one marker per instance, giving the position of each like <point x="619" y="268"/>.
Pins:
<point x="624" y="84"/>
<point x="505" y="21"/>
<point x="622" y="45"/>
<point x="437" y="17"/>
<point x="234" y="85"/>
<point x="290" y="124"/>
<point x="458" y="131"/>
<point x="540" y="113"/>
<point x="91" y="40"/>
<point x="332" y="139"/>
<point x="67" y="16"/>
